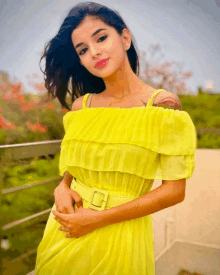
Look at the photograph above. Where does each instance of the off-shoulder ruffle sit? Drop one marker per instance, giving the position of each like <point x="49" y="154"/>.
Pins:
<point x="152" y="142"/>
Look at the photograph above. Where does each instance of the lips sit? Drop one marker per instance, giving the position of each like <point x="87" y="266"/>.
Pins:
<point x="100" y="62"/>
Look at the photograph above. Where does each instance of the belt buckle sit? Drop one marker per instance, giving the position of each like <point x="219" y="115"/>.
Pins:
<point x="103" y="192"/>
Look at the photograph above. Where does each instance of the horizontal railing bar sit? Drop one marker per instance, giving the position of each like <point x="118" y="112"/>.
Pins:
<point x="31" y="273"/>
<point x="23" y="256"/>
<point x="28" y="185"/>
<point x="206" y="245"/>
<point x="30" y="143"/>
<point x="18" y="222"/>
<point x="208" y="131"/>
<point x="20" y="151"/>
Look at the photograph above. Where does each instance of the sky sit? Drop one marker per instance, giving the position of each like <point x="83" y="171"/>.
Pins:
<point x="187" y="31"/>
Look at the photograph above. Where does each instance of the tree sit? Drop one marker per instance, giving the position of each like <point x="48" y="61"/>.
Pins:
<point x="160" y="76"/>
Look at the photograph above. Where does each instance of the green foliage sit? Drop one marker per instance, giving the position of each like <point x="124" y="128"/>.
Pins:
<point x="204" y="109"/>
<point x="30" y="201"/>
<point x="186" y="272"/>
<point x="52" y="119"/>
<point x="3" y="137"/>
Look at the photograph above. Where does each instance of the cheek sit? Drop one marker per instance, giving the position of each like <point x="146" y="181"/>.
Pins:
<point x="114" y="46"/>
<point x="85" y="62"/>
<point x="119" y="54"/>
<point x="115" y="51"/>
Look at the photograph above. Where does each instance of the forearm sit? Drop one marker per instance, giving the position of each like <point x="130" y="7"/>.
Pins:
<point x="154" y="201"/>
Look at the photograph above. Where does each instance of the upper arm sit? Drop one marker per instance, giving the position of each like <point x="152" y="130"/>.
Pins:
<point x="168" y="100"/>
<point x="77" y="104"/>
<point x="177" y="187"/>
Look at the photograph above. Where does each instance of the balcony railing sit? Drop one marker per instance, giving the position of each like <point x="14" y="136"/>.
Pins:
<point x="17" y="154"/>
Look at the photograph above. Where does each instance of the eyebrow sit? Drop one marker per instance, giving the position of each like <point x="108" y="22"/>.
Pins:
<point x="97" y="31"/>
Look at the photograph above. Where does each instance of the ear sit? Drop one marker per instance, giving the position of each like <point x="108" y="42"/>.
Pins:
<point x="126" y="36"/>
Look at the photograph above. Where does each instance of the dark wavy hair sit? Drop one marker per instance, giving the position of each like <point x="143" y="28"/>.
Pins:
<point x="62" y="65"/>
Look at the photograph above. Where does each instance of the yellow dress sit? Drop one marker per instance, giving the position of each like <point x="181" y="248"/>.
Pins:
<point x="122" y="150"/>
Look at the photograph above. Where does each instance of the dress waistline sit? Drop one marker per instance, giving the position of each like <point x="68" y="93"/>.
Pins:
<point x="98" y="199"/>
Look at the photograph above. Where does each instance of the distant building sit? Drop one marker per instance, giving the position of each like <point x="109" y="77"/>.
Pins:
<point x="209" y="87"/>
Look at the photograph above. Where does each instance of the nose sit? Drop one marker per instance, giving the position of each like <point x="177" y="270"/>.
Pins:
<point x="94" y="52"/>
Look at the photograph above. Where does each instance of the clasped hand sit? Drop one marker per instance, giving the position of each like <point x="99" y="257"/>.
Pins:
<point x="79" y="223"/>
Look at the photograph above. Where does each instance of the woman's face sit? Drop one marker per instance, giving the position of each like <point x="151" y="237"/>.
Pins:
<point x="104" y="44"/>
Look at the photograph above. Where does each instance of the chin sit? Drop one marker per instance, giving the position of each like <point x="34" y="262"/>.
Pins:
<point x="104" y="73"/>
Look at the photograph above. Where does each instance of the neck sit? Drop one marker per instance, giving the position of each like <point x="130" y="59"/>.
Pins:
<point x="123" y="82"/>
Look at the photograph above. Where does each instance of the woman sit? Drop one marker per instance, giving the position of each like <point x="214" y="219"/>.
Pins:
<point x="116" y="143"/>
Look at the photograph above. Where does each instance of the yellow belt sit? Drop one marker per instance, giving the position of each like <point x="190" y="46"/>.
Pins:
<point x="98" y="199"/>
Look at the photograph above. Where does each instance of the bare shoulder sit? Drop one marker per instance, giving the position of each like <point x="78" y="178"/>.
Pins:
<point x="77" y="103"/>
<point x="167" y="100"/>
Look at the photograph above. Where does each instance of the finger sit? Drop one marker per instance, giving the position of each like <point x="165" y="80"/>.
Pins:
<point x="70" y="236"/>
<point x="59" y="209"/>
<point x="70" y="208"/>
<point x="63" y="228"/>
<point x="61" y="218"/>
<point x="76" y="197"/>
<point x="59" y="215"/>
<point x="67" y="210"/>
<point x="60" y="222"/>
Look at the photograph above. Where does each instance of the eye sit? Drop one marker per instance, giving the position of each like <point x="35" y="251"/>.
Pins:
<point x="80" y="53"/>
<point x="105" y="36"/>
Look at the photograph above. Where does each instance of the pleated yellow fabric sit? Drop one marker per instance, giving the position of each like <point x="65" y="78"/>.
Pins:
<point x="122" y="150"/>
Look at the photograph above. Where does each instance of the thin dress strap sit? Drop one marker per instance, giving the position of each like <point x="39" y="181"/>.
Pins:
<point x="89" y="100"/>
<point x="84" y="100"/>
<point x="150" y="101"/>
